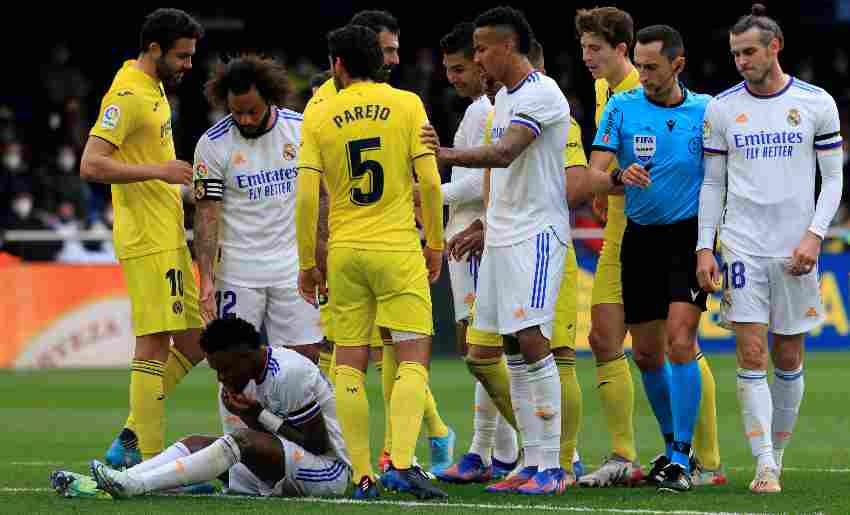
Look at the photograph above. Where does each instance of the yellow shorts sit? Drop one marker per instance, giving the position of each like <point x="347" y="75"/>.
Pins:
<point x="163" y="292"/>
<point x="371" y="288"/>
<point x="607" y="283"/>
<point x="566" y="312"/>
<point x="326" y="319"/>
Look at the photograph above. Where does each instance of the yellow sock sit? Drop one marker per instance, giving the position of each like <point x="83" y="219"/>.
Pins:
<point x="570" y="411"/>
<point x="352" y="407"/>
<point x="387" y="368"/>
<point x="407" y="406"/>
<point x="147" y="405"/>
<point x="176" y="369"/>
<point x="706" y="446"/>
<point x="325" y="359"/>
<point x="617" y="393"/>
<point x="493" y="374"/>
<point x="436" y="427"/>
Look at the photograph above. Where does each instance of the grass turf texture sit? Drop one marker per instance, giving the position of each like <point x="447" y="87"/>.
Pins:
<point x="61" y="419"/>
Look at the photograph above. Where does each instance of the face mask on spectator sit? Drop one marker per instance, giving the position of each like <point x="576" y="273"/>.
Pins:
<point x="12" y="160"/>
<point x="22" y="206"/>
<point x="66" y="160"/>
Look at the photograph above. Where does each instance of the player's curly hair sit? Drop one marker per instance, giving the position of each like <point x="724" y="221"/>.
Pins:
<point x="239" y="74"/>
<point x="376" y="20"/>
<point x="165" y="26"/>
<point x="459" y="40"/>
<point x="231" y="333"/>
<point x="511" y="19"/>
<point x="611" y="24"/>
<point x="759" y="19"/>
<point x="358" y="48"/>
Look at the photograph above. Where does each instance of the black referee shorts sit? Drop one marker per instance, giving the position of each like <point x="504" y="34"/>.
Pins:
<point x="659" y="267"/>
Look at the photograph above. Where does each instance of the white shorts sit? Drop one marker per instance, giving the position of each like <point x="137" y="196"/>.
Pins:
<point x="518" y="285"/>
<point x="760" y="290"/>
<point x="464" y="276"/>
<point x="290" y="321"/>
<point x="305" y="475"/>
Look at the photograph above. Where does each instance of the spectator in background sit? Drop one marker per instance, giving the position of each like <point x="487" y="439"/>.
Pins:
<point x="22" y="218"/>
<point x="59" y="179"/>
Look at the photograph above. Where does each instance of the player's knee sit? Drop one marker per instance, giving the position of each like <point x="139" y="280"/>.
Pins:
<point x="604" y="345"/>
<point x="752" y="353"/>
<point x="196" y="442"/>
<point x="245" y="439"/>
<point x="787" y="357"/>
<point x="682" y="345"/>
<point x="479" y="352"/>
<point x="648" y="359"/>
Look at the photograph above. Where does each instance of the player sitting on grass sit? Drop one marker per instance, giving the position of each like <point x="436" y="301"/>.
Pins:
<point x="293" y="446"/>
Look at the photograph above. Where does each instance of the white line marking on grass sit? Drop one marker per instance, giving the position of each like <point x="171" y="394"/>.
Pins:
<point x="46" y="463"/>
<point x="420" y="504"/>
<point x="799" y="469"/>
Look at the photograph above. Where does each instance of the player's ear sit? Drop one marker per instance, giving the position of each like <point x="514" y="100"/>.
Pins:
<point x="679" y="64"/>
<point x="621" y="49"/>
<point x="155" y="50"/>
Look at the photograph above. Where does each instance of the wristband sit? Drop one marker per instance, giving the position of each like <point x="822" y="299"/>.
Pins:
<point x="270" y="421"/>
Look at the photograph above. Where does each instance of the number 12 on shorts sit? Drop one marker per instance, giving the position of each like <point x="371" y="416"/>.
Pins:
<point x="737" y="271"/>
<point x="225" y="301"/>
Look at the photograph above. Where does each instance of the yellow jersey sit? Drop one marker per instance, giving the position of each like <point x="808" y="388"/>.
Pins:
<point x="136" y="118"/>
<point x="326" y="90"/>
<point x="363" y="141"/>
<point x="604" y="92"/>
<point x="574" y="151"/>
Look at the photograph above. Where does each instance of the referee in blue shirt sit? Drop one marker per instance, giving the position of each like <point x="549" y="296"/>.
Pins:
<point x="655" y="132"/>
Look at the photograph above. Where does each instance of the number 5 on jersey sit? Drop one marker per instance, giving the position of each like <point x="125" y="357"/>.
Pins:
<point x="360" y="169"/>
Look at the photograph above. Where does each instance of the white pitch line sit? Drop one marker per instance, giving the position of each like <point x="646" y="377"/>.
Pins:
<point x="420" y="504"/>
<point x="799" y="469"/>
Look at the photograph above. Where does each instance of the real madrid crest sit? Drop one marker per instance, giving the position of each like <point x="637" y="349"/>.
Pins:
<point x="794" y="117"/>
<point x="289" y="152"/>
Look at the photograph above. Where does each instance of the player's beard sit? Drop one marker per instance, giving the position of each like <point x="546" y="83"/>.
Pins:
<point x="758" y="79"/>
<point x="384" y="73"/>
<point x="258" y="130"/>
<point x="170" y="77"/>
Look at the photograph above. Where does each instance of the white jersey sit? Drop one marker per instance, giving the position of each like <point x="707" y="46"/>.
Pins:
<point x="255" y="178"/>
<point x="530" y="195"/>
<point x="294" y="389"/>
<point x="463" y="193"/>
<point x="770" y="143"/>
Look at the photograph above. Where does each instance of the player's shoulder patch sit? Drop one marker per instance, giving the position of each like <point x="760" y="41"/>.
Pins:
<point x="110" y="118"/>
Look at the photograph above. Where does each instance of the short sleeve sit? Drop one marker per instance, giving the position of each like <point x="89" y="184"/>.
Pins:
<point x="828" y="129"/>
<point x="209" y="170"/>
<point x="419" y="118"/>
<point x="118" y="116"/>
<point x="608" y="133"/>
<point x="310" y="156"/>
<point x="714" y="130"/>
<point x="574" y="151"/>
<point x="539" y="108"/>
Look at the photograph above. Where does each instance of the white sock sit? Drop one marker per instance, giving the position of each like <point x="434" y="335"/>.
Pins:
<point x="506" y="449"/>
<point x="485" y="421"/>
<point x="530" y="426"/>
<point x="204" y="465"/>
<point x="787" y="393"/>
<point x="177" y="450"/>
<point x="757" y="413"/>
<point x="545" y="387"/>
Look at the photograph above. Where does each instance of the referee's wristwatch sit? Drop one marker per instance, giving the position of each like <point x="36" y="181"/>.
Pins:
<point x="617" y="177"/>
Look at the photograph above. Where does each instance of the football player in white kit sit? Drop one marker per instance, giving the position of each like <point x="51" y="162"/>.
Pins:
<point x="493" y="448"/>
<point x="294" y="446"/>
<point x="527" y="235"/>
<point x="245" y="177"/>
<point x="761" y="139"/>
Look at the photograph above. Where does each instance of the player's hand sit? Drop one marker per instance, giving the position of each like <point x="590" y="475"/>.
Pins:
<point x="209" y="311"/>
<point x="176" y="172"/>
<point x="636" y="175"/>
<point x="467" y="244"/>
<point x="429" y="137"/>
<point x="600" y="207"/>
<point x="311" y="283"/>
<point x="434" y="263"/>
<point x="708" y="272"/>
<point x="239" y="404"/>
<point x="805" y="256"/>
